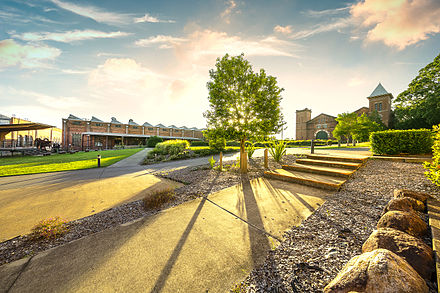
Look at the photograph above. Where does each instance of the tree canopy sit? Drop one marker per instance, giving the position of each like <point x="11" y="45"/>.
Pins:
<point x="243" y="104"/>
<point x="358" y="127"/>
<point x="419" y="105"/>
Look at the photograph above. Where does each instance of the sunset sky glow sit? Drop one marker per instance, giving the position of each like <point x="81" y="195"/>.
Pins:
<point x="149" y="60"/>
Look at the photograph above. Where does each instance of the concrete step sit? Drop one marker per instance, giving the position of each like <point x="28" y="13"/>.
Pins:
<point x="331" y="164"/>
<point x="358" y="160"/>
<point x="309" y="179"/>
<point x="336" y="172"/>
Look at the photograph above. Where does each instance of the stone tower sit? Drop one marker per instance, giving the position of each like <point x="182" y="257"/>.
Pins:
<point x="380" y="101"/>
<point x="302" y="116"/>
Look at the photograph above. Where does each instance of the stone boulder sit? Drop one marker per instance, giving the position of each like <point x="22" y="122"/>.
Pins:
<point x="377" y="271"/>
<point x="408" y="222"/>
<point x="399" y="193"/>
<point x="406" y="204"/>
<point x="419" y="255"/>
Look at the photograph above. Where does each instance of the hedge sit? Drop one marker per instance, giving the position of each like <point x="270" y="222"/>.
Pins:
<point x="171" y="147"/>
<point x="199" y="143"/>
<point x="394" y="142"/>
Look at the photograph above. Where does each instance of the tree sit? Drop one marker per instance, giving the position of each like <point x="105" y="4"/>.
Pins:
<point x="419" y="105"/>
<point x="365" y="125"/>
<point x="243" y="104"/>
<point x="346" y="126"/>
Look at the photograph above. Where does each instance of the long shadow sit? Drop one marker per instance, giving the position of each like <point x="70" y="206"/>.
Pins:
<point x="258" y="241"/>
<point x="164" y="274"/>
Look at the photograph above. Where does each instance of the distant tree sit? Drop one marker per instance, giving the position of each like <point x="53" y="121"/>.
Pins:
<point x="346" y="126"/>
<point x="366" y="125"/>
<point x="243" y="104"/>
<point x="419" y="105"/>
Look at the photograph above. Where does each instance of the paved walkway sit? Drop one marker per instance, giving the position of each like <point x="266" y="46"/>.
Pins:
<point x="27" y="199"/>
<point x="205" y="245"/>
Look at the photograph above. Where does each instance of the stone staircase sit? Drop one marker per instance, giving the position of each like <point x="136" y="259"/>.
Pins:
<point x="321" y="171"/>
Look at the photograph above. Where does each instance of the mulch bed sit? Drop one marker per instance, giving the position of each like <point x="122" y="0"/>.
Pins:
<point x="312" y="254"/>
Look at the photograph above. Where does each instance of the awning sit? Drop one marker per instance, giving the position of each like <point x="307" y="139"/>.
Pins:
<point x="135" y="135"/>
<point x="23" y="127"/>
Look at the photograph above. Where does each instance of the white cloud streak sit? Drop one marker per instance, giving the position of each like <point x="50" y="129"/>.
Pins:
<point x="230" y="9"/>
<point x="94" y="13"/>
<point x="70" y="36"/>
<point x="164" y="42"/>
<point x="283" y="29"/>
<point x="151" y="19"/>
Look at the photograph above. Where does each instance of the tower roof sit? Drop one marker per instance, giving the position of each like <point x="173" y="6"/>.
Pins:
<point x="378" y="91"/>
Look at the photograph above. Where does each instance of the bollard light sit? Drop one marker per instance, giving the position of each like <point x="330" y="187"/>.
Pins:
<point x="99" y="161"/>
<point x="312" y="146"/>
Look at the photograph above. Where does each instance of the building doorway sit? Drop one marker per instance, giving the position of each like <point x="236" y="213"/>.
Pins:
<point x="322" y="135"/>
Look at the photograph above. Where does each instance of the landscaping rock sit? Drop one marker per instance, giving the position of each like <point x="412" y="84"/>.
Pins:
<point x="412" y="249"/>
<point x="408" y="222"/>
<point x="406" y="204"/>
<point x="399" y="193"/>
<point x="377" y="271"/>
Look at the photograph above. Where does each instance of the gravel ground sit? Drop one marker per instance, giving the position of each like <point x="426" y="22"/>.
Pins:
<point x="312" y="254"/>
<point x="199" y="181"/>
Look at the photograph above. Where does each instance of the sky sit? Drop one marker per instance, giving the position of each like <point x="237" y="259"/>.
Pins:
<point x="149" y="60"/>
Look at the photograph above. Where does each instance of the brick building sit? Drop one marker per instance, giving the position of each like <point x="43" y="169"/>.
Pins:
<point x="83" y="134"/>
<point x="322" y="126"/>
<point x="18" y="132"/>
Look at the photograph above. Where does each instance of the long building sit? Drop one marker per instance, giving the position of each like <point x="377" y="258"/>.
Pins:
<point x="81" y="134"/>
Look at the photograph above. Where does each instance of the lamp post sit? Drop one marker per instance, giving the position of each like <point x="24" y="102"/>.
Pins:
<point x="99" y="161"/>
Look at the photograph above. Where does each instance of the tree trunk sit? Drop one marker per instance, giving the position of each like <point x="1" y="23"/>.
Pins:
<point x="243" y="158"/>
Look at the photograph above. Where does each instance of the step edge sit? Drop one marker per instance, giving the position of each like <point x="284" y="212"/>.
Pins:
<point x="332" y="185"/>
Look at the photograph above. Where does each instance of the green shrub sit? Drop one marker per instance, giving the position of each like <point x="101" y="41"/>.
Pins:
<point x="433" y="169"/>
<point x="199" y="143"/>
<point x="158" y="198"/>
<point x="171" y="147"/>
<point x="329" y="142"/>
<point x="50" y="228"/>
<point x="233" y="143"/>
<point x="278" y="150"/>
<point x="394" y="142"/>
<point x="211" y="162"/>
<point x="250" y="149"/>
<point x="218" y="143"/>
<point x="152" y="141"/>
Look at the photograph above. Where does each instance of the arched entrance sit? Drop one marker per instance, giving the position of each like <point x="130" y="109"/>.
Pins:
<point x="322" y="135"/>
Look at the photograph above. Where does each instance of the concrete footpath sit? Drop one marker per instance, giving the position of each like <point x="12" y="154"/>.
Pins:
<point x="205" y="245"/>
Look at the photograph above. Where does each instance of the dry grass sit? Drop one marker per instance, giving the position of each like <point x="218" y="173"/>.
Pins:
<point x="156" y="199"/>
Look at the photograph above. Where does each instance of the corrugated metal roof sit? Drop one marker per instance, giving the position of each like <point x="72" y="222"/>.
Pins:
<point x="173" y="126"/>
<point x="131" y="122"/>
<point x="161" y="125"/>
<point x="114" y="121"/>
<point x="378" y="91"/>
<point x="3" y="117"/>
<point x="147" y="124"/>
<point x="94" y="119"/>
<point x="73" y="117"/>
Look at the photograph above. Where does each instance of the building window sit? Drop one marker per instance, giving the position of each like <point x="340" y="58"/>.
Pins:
<point x="76" y="139"/>
<point x="117" y="126"/>
<point x="98" y="124"/>
<point x="135" y="127"/>
<point x="378" y="106"/>
<point x="98" y="143"/>
<point x="76" y="123"/>
<point x="150" y="128"/>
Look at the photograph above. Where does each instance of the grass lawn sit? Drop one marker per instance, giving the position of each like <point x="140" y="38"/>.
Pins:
<point x="81" y="160"/>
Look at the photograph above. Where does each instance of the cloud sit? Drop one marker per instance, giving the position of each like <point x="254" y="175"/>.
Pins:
<point x="70" y="36"/>
<point x="202" y="43"/>
<point x="25" y="56"/>
<point x="164" y="42"/>
<point x="356" y="81"/>
<point x="321" y="28"/>
<point x="94" y="13"/>
<point x="57" y="103"/>
<point x="72" y="71"/>
<point x="399" y="23"/>
<point x="152" y="19"/>
<point x="319" y="13"/>
<point x="283" y="29"/>
<point x="230" y="9"/>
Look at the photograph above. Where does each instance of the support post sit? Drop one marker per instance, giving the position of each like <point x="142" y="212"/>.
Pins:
<point x="221" y="161"/>
<point x="312" y="146"/>
<point x="266" y="159"/>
